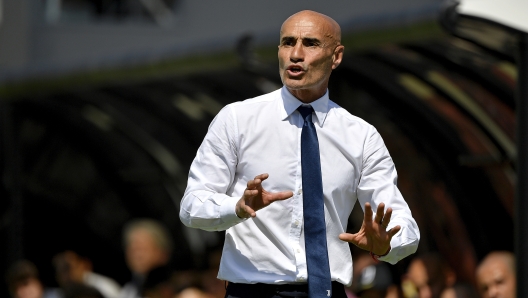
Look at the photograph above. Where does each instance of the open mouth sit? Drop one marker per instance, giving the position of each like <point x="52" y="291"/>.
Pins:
<point x="295" y="69"/>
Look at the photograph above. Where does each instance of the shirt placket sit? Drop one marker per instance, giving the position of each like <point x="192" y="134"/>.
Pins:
<point x="297" y="214"/>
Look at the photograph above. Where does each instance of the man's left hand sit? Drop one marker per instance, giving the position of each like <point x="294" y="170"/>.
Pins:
<point x="373" y="235"/>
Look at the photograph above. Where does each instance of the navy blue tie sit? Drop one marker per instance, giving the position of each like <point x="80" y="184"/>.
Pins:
<point x="319" y="282"/>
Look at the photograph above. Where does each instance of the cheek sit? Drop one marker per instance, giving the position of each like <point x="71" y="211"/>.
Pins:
<point x="322" y="65"/>
<point x="317" y="73"/>
<point x="508" y="286"/>
<point x="282" y="55"/>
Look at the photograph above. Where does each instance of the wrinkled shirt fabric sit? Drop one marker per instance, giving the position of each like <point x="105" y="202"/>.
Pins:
<point x="263" y="135"/>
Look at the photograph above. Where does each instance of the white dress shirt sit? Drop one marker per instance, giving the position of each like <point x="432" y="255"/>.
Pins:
<point x="263" y="135"/>
<point x="108" y="287"/>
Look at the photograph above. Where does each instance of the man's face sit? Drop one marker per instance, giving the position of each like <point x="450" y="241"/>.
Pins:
<point x="495" y="280"/>
<point x="425" y="286"/>
<point x="308" y="52"/>
<point x="142" y="252"/>
<point x="418" y="276"/>
<point x="30" y="288"/>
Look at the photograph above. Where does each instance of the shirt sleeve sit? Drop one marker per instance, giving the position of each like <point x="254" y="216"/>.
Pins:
<point x="205" y="204"/>
<point x="377" y="185"/>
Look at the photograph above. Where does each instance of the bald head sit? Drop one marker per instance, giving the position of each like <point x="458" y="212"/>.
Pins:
<point x="310" y="48"/>
<point x="496" y="275"/>
<point x="505" y="257"/>
<point x="331" y="27"/>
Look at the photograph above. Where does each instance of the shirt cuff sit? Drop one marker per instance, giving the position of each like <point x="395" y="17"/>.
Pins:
<point x="400" y="248"/>
<point x="228" y="211"/>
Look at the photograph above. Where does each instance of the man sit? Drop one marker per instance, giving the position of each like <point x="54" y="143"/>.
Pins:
<point x="430" y="275"/>
<point x="375" y="281"/>
<point x="23" y="281"/>
<point x="148" y="245"/>
<point x="277" y="176"/>
<point x="72" y="268"/>
<point x="496" y="275"/>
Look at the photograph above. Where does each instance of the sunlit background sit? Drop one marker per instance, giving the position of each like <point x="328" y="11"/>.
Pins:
<point x="105" y="102"/>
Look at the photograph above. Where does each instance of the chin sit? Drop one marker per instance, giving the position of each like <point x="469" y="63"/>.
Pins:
<point x="294" y="85"/>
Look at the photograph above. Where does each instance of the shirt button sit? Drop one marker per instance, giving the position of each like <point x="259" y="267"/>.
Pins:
<point x="299" y="191"/>
<point x="302" y="279"/>
<point x="298" y="251"/>
<point x="297" y="223"/>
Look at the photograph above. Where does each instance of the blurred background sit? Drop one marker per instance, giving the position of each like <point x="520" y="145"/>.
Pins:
<point x="103" y="104"/>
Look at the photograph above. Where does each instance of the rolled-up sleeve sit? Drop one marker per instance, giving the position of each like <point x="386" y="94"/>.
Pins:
<point x="205" y="204"/>
<point x="377" y="185"/>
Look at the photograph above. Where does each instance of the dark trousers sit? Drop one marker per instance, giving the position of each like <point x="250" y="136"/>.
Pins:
<point x="235" y="290"/>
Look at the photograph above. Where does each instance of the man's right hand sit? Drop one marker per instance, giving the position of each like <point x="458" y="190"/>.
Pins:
<point x="255" y="197"/>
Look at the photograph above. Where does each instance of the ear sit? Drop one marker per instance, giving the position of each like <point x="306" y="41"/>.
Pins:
<point x="337" y="57"/>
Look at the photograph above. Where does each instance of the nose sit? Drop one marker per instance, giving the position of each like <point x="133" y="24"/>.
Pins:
<point x="297" y="53"/>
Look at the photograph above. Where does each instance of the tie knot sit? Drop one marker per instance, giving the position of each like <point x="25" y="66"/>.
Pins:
<point x="306" y="112"/>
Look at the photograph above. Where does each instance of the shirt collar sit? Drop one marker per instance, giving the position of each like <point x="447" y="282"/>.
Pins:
<point x="290" y="103"/>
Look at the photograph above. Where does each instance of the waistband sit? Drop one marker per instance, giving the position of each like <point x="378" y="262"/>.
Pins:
<point x="283" y="290"/>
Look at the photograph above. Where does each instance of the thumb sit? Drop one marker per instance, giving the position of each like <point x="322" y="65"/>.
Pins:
<point x="348" y="238"/>
<point x="248" y="210"/>
<point x="393" y="231"/>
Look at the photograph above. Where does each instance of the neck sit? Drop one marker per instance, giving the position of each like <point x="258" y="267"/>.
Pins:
<point x="306" y="95"/>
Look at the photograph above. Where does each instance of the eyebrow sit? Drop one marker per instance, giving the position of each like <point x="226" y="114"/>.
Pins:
<point x="308" y="39"/>
<point x="312" y="39"/>
<point x="287" y="38"/>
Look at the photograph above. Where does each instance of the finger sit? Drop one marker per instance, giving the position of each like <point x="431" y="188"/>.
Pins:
<point x="348" y="238"/>
<point x="257" y="181"/>
<point x="393" y="231"/>
<point x="243" y="210"/>
<point x="379" y="213"/>
<point x="253" y="184"/>
<point x="250" y="192"/>
<point x="262" y="177"/>
<point x="368" y="213"/>
<point x="387" y="217"/>
<point x="282" y="195"/>
<point x="250" y="211"/>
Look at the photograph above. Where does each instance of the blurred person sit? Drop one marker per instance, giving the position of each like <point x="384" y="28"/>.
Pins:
<point x="80" y="290"/>
<point x="191" y="284"/>
<point x="161" y="282"/>
<point x="460" y="290"/>
<point x="278" y="241"/>
<point x="361" y="260"/>
<point x="70" y="267"/>
<point x="428" y="276"/>
<point x="375" y="281"/>
<point x="193" y="293"/>
<point x="148" y="245"/>
<point x="23" y="282"/>
<point x="496" y="277"/>
<point x="212" y="285"/>
<point x="187" y="279"/>
<point x="158" y="283"/>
